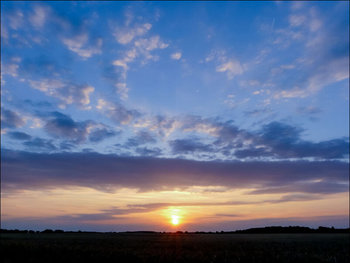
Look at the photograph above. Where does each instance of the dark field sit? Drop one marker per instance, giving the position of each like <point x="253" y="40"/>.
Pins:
<point x="148" y="247"/>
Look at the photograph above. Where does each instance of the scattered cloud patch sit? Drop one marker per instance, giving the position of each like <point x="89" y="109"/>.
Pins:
<point x="39" y="16"/>
<point x="117" y="112"/>
<point x="176" y="55"/>
<point x="67" y="93"/>
<point x="78" y="44"/>
<point x="125" y="35"/>
<point x="231" y="67"/>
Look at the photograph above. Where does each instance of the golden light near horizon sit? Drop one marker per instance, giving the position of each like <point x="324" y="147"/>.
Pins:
<point x="175" y="216"/>
<point x="175" y="220"/>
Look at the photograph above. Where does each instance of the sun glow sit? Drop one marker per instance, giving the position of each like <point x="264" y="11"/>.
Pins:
<point x="175" y="219"/>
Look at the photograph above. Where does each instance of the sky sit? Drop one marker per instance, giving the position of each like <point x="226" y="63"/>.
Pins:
<point x="197" y="116"/>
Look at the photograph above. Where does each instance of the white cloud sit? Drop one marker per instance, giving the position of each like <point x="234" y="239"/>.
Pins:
<point x="231" y="67"/>
<point x="233" y="103"/>
<point x="176" y="55"/>
<point x="141" y="48"/>
<point x="39" y="16"/>
<point x="335" y="71"/>
<point x="68" y="93"/>
<point x="127" y="34"/>
<point x="101" y="104"/>
<point x="292" y="93"/>
<point x="16" y="19"/>
<point x="296" y="20"/>
<point x="79" y="45"/>
<point x="129" y="57"/>
<point x="145" y="45"/>
<point x="4" y="32"/>
<point x="10" y="69"/>
<point x="315" y="24"/>
<point x="122" y="90"/>
<point x="117" y="112"/>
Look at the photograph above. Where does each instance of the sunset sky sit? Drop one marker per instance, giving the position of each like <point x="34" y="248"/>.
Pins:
<point x="197" y="116"/>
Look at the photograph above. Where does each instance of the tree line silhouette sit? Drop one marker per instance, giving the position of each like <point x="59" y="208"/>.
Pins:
<point x="259" y="230"/>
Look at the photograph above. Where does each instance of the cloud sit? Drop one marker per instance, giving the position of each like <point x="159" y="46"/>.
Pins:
<point x="176" y="55"/>
<point x="101" y="134"/>
<point x="78" y="44"/>
<point x="11" y="119"/>
<point x="138" y="48"/>
<point x="141" y="48"/>
<point x="185" y="146"/>
<point x="146" y="173"/>
<point x="130" y="209"/>
<point x="10" y="67"/>
<point x="125" y="35"/>
<point x="117" y="112"/>
<point x="231" y="67"/>
<point x="68" y="93"/>
<point x="19" y="135"/>
<point x="61" y="125"/>
<point x="296" y="20"/>
<point x="309" y="110"/>
<point x="276" y="140"/>
<point x="142" y="137"/>
<point x="260" y="152"/>
<point x="280" y="140"/>
<point x="39" y="16"/>
<point x="162" y="125"/>
<point x="305" y="187"/>
<point x="38" y="104"/>
<point x="14" y="19"/>
<point x="122" y="90"/>
<point x="40" y="144"/>
<point x="284" y="142"/>
<point x="146" y="45"/>
<point x="145" y="151"/>
<point x="74" y="34"/>
<point x="324" y="58"/>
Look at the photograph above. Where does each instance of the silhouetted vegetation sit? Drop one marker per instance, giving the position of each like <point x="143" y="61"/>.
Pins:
<point x="260" y="230"/>
<point x="292" y="229"/>
<point x="147" y="246"/>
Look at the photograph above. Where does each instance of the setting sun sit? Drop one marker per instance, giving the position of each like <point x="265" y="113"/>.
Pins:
<point x="175" y="220"/>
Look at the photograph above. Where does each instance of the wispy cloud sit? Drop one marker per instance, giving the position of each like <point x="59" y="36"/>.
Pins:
<point x="125" y="35"/>
<point x="138" y="48"/>
<point x="40" y="15"/>
<point x="117" y="112"/>
<point x="67" y="93"/>
<point x="231" y="67"/>
<point x="78" y="44"/>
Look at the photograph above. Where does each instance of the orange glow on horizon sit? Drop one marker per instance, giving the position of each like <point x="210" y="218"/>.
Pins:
<point x="175" y="220"/>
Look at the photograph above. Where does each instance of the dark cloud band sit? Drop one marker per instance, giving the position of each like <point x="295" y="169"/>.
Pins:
<point x="25" y="170"/>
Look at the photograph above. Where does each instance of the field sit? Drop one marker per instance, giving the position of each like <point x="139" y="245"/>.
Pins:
<point x="157" y="247"/>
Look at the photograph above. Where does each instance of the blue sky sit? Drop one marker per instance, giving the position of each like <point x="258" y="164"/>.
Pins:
<point x="211" y="83"/>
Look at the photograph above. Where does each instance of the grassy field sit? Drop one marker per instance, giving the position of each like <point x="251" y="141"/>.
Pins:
<point x="148" y="247"/>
